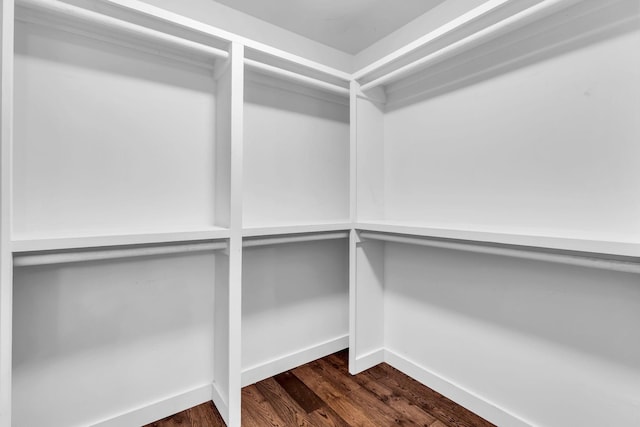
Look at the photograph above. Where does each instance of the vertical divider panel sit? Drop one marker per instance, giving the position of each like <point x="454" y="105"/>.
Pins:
<point x="368" y="306"/>
<point x="6" y="267"/>
<point x="235" y="242"/>
<point x="366" y="289"/>
<point x="226" y="387"/>
<point x="353" y="211"/>
<point x="370" y="157"/>
<point x="220" y="392"/>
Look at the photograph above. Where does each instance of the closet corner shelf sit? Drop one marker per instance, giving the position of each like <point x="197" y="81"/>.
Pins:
<point x="316" y="227"/>
<point x="86" y="240"/>
<point x="563" y="243"/>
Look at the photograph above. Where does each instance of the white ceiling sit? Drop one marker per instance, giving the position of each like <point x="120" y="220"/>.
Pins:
<point x="347" y="25"/>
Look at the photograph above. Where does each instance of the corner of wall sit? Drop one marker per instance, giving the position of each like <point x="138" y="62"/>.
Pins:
<point x="423" y="24"/>
<point x="228" y="19"/>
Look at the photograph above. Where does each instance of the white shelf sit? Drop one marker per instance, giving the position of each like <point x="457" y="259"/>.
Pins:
<point x="59" y="242"/>
<point x="507" y="237"/>
<point x="274" y="230"/>
<point x="472" y="29"/>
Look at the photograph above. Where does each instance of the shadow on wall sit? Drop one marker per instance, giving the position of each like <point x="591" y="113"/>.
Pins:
<point x="53" y="45"/>
<point x="587" y="23"/>
<point x="596" y="312"/>
<point x="277" y="277"/>
<point x="61" y="311"/>
<point x="275" y="93"/>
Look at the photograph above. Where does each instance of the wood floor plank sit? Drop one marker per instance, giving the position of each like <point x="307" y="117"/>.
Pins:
<point x="396" y="401"/>
<point x="283" y="404"/>
<point x="387" y="409"/>
<point x="299" y="391"/>
<point x="327" y="417"/>
<point x="344" y="407"/>
<point x="256" y="411"/>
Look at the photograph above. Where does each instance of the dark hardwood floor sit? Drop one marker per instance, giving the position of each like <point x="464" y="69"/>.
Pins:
<point x="323" y="393"/>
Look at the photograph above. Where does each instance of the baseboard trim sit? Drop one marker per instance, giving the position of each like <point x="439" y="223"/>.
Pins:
<point x="221" y="402"/>
<point x="458" y="394"/>
<point x="160" y="409"/>
<point x="366" y="361"/>
<point x="275" y="366"/>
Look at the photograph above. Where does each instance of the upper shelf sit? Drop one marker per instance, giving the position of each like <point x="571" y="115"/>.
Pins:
<point x="135" y="20"/>
<point x="89" y="240"/>
<point x="508" y="237"/>
<point x="486" y="22"/>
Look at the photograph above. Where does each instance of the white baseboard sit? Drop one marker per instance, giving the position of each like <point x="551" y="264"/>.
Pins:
<point x="463" y="397"/>
<point x="160" y="409"/>
<point x="366" y="361"/>
<point x="221" y="402"/>
<point x="281" y="364"/>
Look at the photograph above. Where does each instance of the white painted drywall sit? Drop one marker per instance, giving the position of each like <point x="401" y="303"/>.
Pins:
<point x="555" y="345"/>
<point x="536" y="133"/>
<point x="103" y="135"/>
<point x="294" y="298"/>
<point x="296" y="156"/>
<point x="94" y="340"/>
<point x="546" y="146"/>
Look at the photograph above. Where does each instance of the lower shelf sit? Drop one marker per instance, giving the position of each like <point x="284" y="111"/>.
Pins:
<point x="556" y="241"/>
<point x="128" y="237"/>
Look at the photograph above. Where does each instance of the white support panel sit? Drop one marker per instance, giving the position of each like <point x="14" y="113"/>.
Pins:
<point x="353" y="150"/>
<point x="94" y="19"/>
<point x="6" y="167"/>
<point x="370" y="156"/>
<point x="66" y="257"/>
<point x="236" y="134"/>
<point x="222" y="308"/>
<point x="367" y="305"/>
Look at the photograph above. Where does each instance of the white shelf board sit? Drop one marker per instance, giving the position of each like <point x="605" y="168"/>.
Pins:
<point x="86" y="240"/>
<point x="507" y="237"/>
<point x="278" y="229"/>
<point x="173" y="20"/>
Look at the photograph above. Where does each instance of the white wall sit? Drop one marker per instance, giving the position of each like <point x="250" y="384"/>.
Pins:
<point x="103" y="135"/>
<point x="536" y="133"/>
<point x="94" y="340"/>
<point x="548" y="145"/>
<point x="226" y="18"/>
<point x="294" y="300"/>
<point x="296" y="155"/>
<point x="555" y="345"/>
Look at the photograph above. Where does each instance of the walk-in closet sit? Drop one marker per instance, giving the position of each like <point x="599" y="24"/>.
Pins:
<point x="196" y="196"/>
